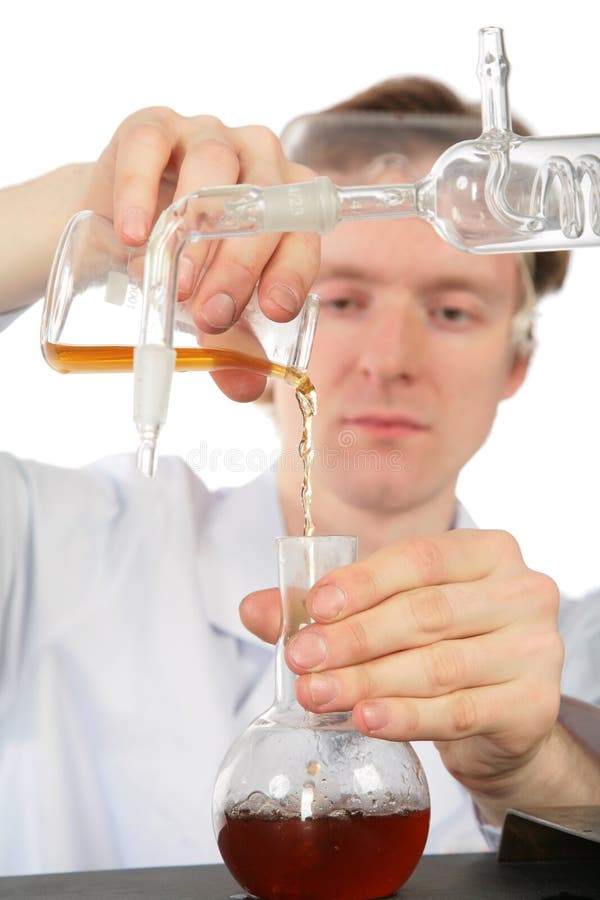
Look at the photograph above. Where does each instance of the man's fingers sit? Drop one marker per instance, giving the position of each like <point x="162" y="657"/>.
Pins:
<point x="209" y="161"/>
<point x="435" y="670"/>
<point x="261" y="614"/>
<point x="230" y="279"/>
<point x="425" y="616"/>
<point x="142" y="153"/>
<point x="462" y="555"/>
<point x="155" y="146"/>
<point x="491" y="710"/>
<point x="239" y="385"/>
<point x="288" y="276"/>
<point x="285" y="265"/>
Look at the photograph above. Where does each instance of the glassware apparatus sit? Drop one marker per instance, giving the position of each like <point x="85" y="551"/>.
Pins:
<point x="306" y="807"/>
<point x="499" y="192"/>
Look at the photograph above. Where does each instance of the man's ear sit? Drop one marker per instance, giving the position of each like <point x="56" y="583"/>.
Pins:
<point x="516" y="374"/>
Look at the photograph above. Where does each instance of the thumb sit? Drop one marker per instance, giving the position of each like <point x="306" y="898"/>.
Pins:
<point x="260" y="612"/>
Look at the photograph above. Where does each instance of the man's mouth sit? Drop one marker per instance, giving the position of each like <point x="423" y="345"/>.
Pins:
<point x="385" y="424"/>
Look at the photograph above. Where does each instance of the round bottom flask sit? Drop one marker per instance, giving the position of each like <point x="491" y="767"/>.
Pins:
<point x="305" y="806"/>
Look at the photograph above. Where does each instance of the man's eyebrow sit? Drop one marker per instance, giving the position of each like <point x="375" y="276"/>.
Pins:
<point x="488" y="288"/>
<point x="341" y="270"/>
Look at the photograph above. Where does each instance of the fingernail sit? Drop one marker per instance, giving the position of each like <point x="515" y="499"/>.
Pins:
<point x="284" y="297"/>
<point x="135" y="224"/>
<point x="219" y="311"/>
<point x="308" y="650"/>
<point x="375" y="716"/>
<point x="323" y="689"/>
<point x="328" y="601"/>
<point x="185" y="275"/>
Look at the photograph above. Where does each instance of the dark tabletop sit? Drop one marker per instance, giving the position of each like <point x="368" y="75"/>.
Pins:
<point x="452" y="877"/>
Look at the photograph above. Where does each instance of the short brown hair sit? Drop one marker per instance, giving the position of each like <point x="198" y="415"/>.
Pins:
<point x="415" y="94"/>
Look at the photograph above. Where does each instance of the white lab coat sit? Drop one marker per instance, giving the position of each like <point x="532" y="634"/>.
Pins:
<point x="125" y="672"/>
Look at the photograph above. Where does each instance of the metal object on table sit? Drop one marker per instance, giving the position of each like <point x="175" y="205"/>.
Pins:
<point x="550" y="833"/>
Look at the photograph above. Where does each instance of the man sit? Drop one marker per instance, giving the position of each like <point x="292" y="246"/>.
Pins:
<point x="126" y="673"/>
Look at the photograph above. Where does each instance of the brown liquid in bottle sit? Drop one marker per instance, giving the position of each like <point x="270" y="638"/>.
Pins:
<point x="352" y="856"/>
<point x="113" y="358"/>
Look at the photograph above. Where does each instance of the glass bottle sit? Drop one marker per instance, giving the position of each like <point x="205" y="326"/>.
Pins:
<point x="305" y="806"/>
<point x="93" y="311"/>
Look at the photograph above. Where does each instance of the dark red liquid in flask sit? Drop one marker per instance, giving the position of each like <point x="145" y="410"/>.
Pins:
<point x="346" y="856"/>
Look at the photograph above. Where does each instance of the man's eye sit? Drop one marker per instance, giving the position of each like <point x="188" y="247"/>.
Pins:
<point x="340" y="304"/>
<point x="452" y="314"/>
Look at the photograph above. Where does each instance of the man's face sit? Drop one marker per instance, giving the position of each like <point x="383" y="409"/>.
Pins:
<point x="411" y="357"/>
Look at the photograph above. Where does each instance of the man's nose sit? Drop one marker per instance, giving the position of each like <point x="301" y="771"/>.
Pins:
<point x="392" y="345"/>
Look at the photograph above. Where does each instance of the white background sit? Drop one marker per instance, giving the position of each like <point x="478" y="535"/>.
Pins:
<point x="70" y="71"/>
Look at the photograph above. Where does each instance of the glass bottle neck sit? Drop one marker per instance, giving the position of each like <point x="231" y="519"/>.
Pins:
<point x="384" y="201"/>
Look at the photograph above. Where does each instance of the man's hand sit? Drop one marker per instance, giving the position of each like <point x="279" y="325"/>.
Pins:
<point x="451" y="639"/>
<point x="155" y="157"/>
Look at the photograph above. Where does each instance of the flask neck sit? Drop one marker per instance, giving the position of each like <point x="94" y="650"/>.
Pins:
<point x="294" y="616"/>
<point x="301" y="562"/>
<point x="286" y="708"/>
<point x="285" y="679"/>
